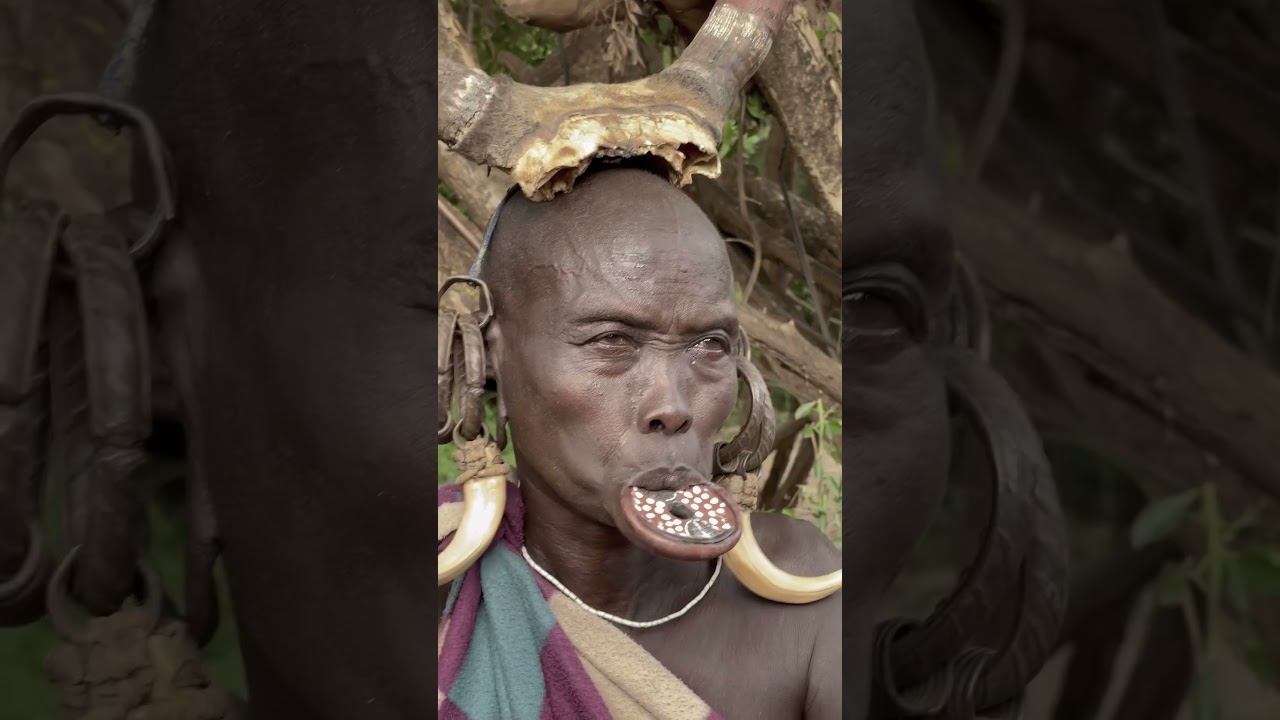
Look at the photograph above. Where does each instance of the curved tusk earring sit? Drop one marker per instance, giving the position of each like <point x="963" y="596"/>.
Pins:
<point x="484" y="498"/>
<point x="737" y="462"/>
<point x="483" y="476"/>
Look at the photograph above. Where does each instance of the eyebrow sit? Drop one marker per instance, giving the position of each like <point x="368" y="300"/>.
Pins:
<point x="917" y="249"/>
<point x="725" y="321"/>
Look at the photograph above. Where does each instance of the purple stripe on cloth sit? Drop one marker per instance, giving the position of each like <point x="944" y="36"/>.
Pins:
<point x="462" y="623"/>
<point x="449" y="711"/>
<point x="569" y="693"/>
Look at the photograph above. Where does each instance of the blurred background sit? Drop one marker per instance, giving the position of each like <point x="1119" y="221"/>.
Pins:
<point x="1114" y="171"/>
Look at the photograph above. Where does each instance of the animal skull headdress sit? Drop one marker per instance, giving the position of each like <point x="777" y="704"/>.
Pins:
<point x="546" y="138"/>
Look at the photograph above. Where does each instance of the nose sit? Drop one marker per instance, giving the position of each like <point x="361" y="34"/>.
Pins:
<point x="664" y="407"/>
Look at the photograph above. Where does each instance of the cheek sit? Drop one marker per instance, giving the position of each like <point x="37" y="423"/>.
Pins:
<point x="712" y="396"/>
<point x="896" y="456"/>
<point x="547" y="394"/>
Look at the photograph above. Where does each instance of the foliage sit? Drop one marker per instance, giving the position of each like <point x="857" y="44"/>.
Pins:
<point x="1234" y="570"/>
<point x="492" y="31"/>
<point x="825" y="496"/>
<point x="831" y="35"/>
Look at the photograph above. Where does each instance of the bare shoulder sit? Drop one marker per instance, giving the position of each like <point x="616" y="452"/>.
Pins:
<point x="794" y="545"/>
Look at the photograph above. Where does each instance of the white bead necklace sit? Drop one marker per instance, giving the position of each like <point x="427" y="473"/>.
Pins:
<point x="614" y="618"/>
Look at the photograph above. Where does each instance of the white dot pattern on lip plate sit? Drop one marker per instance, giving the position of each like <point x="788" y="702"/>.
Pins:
<point x="705" y="515"/>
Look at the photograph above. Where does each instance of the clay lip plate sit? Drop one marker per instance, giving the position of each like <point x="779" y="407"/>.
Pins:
<point x="707" y="526"/>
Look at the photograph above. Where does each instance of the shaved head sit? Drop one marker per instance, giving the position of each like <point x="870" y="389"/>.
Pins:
<point x="617" y="207"/>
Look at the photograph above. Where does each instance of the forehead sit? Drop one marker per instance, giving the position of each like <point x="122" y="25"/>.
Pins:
<point x="622" y="238"/>
<point x="657" y="273"/>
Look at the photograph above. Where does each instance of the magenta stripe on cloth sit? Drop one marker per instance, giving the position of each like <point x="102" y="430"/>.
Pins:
<point x="504" y="657"/>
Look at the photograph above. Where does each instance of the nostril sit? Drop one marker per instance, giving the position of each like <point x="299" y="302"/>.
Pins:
<point x="655" y="425"/>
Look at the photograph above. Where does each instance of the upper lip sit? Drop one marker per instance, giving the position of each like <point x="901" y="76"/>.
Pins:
<point x="668" y="478"/>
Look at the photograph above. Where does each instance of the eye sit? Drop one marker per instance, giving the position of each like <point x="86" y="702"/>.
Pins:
<point x="612" y="343"/>
<point x="612" y="338"/>
<point x="716" y="345"/>
<point x="874" y="311"/>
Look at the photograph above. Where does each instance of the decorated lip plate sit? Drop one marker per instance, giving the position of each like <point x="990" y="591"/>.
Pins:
<point x="694" y="514"/>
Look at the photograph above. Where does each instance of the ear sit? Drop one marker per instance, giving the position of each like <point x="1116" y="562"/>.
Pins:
<point x="964" y="322"/>
<point x="494" y="352"/>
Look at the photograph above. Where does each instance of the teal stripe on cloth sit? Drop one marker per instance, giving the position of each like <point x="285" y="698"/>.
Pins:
<point x="511" y="629"/>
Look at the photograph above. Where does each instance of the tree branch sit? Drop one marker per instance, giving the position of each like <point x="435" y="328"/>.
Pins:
<point x="1165" y="392"/>
<point x="1178" y="105"/>
<point x="1014" y="39"/>
<point x="1232" y="101"/>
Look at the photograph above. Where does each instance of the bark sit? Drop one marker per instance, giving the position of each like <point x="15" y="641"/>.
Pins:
<point x="453" y="41"/>
<point x="1232" y="101"/>
<point x="796" y="364"/>
<point x="1140" y="376"/>
<point x="581" y="52"/>
<point x="1058" y="167"/>
<point x="455" y="257"/>
<point x="721" y="206"/>
<point x="821" y="239"/>
<point x="805" y="95"/>
<point x="1109" y="362"/>
<point x="479" y="191"/>
<point x="563" y="15"/>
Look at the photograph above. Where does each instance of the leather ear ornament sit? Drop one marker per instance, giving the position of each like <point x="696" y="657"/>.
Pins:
<point x="461" y="364"/>
<point x="460" y="377"/>
<point x="966" y="322"/>
<point x="737" y="463"/>
<point x="738" y="460"/>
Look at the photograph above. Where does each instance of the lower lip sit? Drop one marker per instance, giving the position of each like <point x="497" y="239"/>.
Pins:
<point x="696" y="514"/>
<point x="696" y="523"/>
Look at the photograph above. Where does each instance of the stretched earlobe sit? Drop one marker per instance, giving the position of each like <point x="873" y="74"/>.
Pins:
<point x="501" y="435"/>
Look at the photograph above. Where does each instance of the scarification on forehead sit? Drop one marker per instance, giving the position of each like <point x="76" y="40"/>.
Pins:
<point x="619" y="227"/>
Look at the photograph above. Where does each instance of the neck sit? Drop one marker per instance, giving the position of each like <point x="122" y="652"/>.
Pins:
<point x="597" y="562"/>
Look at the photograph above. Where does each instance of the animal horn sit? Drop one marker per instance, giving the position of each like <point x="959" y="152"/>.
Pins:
<point x="546" y="137"/>
<point x="483" y="500"/>
<point x="748" y="563"/>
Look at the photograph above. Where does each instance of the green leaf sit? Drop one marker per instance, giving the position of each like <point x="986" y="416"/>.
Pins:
<point x="754" y="140"/>
<point x="668" y="56"/>
<point x="1260" y="657"/>
<point x="1172" y="585"/>
<point x="806" y="409"/>
<point x="755" y="106"/>
<point x="665" y="25"/>
<point x="1162" y="518"/>
<point x="1237" y="585"/>
<point x="1260" y="572"/>
<point x="729" y="139"/>
<point x="833" y="21"/>
<point x="1206" y="703"/>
